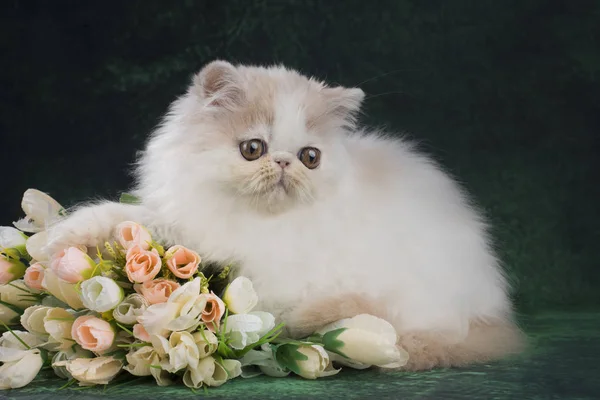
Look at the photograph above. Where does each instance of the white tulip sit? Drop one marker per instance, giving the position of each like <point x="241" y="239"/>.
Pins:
<point x="9" y="315"/>
<point x="11" y="238"/>
<point x="33" y="320"/>
<point x="179" y="352"/>
<point x="206" y="341"/>
<point x="240" y="296"/>
<point x="365" y="339"/>
<point x="40" y="210"/>
<point x="71" y="353"/>
<point x="139" y="361"/>
<point x="317" y="363"/>
<point x="101" y="294"/>
<point x="58" y="323"/>
<point x="21" y="365"/>
<point x="62" y="290"/>
<point x="246" y="329"/>
<point x="17" y="374"/>
<point x="182" y="311"/>
<point x="130" y="308"/>
<point x="35" y="244"/>
<point x="92" y="371"/>
<point x="18" y="294"/>
<point x="211" y="373"/>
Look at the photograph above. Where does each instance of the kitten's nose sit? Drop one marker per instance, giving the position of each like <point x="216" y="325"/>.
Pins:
<point x="282" y="163"/>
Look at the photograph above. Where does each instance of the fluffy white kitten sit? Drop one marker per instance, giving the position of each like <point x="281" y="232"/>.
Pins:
<point x="265" y="167"/>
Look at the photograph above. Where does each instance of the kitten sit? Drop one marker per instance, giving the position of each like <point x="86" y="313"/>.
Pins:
<point x="266" y="168"/>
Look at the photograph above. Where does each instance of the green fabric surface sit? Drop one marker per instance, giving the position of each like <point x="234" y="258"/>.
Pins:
<point x="561" y="362"/>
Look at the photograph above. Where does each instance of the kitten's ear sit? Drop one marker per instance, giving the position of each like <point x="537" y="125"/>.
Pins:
<point x="344" y="102"/>
<point x="219" y="85"/>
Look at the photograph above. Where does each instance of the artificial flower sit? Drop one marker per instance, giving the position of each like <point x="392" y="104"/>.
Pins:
<point x="73" y="265"/>
<point x="212" y="373"/>
<point x="365" y="339"/>
<point x="182" y="261"/>
<point x="101" y="294"/>
<point x="182" y="311"/>
<point x="70" y="353"/>
<point x="157" y="290"/>
<point x="35" y="246"/>
<point x="139" y="361"/>
<point x="177" y="353"/>
<point x="93" y="333"/>
<point x="58" y="323"/>
<point x="240" y="296"/>
<point x="246" y="329"/>
<point x="10" y="269"/>
<point x="21" y="363"/>
<point x="93" y="371"/>
<point x="140" y="333"/>
<point x="11" y="238"/>
<point x="142" y="265"/>
<point x="40" y="210"/>
<point x="62" y="290"/>
<point x="213" y="312"/>
<point x="33" y="320"/>
<point x="206" y="341"/>
<point x="34" y="276"/>
<point x="257" y="362"/>
<point x="132" y="234"/>
<point x="130" y="308"/>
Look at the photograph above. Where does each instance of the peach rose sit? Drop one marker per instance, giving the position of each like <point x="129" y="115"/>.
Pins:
<point x="213" y="312"/>
<point x="182" y="262"/>
<point x="139" y="332"/>
<point x="10" y="270"/>
<point x="158" y="290"/>
<point x="93" y="333"/>
<point x="34" y="276"/>
<point x="142" y="265"/>
<point x="131" y="234"/>
<point x="73" y="265"/>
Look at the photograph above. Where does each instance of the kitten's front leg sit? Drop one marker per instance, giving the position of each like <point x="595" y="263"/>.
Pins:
<point x="92" y="225"/>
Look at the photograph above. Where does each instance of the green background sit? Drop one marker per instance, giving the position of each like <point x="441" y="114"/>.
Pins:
<point x="504" y="93"/>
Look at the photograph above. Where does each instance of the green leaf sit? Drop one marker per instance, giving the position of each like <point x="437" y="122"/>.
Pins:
<point x="332" y="343"/>
<point x="128" y="198"/>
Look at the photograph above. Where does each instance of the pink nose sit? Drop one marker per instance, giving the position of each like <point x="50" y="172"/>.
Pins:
<point x="283" y="163"/>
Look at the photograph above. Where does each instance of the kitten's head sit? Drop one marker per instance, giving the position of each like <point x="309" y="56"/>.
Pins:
<point x="269" y="137"/>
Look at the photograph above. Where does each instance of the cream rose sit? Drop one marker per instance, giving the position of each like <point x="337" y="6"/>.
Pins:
<point x="93" y="333"/>
<point x="181" y="312"/>
<point x="142" y="265"/>
<point x="93" y="371"/>
<point x="182" y="262"/>
<point x="206" y="341"/>
<point x="62" y="290"/>
<point x="35" y="246"/>
<point x="132" y="234"/>
<point x="157" y="290"/>
<point x="211" y="373"/>
<point x="130" y="308"/>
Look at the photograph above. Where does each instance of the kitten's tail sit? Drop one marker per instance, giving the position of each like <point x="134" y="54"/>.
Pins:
<point x="486" y="341"/>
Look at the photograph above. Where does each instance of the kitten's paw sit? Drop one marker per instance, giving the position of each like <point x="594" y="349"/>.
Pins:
<point x="82" y="228"/>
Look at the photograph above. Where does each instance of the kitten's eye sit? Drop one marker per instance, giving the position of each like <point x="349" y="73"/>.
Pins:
<point x="310" y="157"/>
<point x="253" y="149"/>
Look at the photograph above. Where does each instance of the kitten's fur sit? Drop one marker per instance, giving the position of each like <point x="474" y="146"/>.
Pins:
<point x="377" y="227"/>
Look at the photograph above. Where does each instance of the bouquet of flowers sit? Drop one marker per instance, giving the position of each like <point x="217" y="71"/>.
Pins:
<point x="136" y="307"/>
